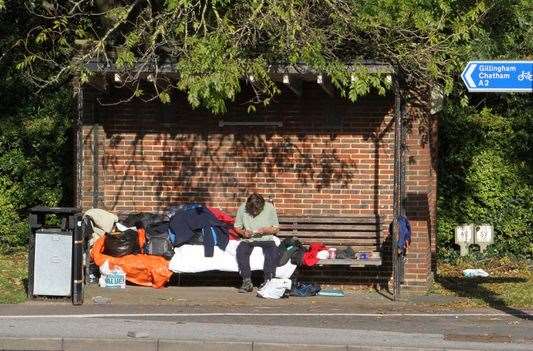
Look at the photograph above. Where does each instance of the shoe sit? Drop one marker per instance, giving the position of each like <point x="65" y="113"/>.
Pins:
<point x="246" y="286"/>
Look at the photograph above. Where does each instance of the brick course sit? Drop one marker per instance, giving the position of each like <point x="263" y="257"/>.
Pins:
<point x="330" y="157"/>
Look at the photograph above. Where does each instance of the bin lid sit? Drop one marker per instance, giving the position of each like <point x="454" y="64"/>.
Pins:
<point x="55" y="210"/>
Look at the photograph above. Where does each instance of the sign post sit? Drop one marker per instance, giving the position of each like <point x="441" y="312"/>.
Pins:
<point x="498" y="76"/>
<point x="484" y="236"/>
<point x="464" y="237"/>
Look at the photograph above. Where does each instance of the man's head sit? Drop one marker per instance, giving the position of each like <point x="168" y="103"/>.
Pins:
<point x="254" y="204"/>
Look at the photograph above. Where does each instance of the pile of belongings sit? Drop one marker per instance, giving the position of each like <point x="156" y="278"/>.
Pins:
<point x="118" y="248"/>
<point x="190" y="238"/>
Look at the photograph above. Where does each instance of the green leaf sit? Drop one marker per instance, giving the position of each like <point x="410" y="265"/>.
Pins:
<point x="132" y="39"/>
<point x="164" y="97"/>
<point x="41" y="37"/>
<point x="125" y="59"/>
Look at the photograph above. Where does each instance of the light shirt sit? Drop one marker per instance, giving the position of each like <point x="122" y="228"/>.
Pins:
<point x="266" y="218"/>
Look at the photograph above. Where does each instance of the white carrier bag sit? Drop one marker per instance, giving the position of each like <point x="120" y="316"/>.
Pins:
<point x="274" y="288"/>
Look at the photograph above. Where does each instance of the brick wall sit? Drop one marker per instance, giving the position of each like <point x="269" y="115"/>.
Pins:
<point x="421" y="198"/>
<point x="330" y="157"/>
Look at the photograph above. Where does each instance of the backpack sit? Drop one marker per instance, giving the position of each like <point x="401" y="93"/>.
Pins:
<point x="291" y="249"/>
<point x="158" y="240"/>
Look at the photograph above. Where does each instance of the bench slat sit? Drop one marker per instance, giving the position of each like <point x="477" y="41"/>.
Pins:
<point x="341" y="242"/>
<point x="301" y="233"/>
<point x="345" y="220"/>
<point x="324" y="227"/>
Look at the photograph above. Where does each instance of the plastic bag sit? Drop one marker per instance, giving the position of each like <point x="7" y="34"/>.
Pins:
<point x="331" y="292"/>
<point x="475" y="273"/>
<point x="111" y="278"/>
<point x="143" y="219"/>
<point x="274" y="288"/>
<point x="143" y="270"/>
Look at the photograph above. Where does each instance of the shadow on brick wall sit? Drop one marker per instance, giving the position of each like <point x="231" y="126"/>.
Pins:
<point x="178" y="155"/>
<point x="417" y="209"/>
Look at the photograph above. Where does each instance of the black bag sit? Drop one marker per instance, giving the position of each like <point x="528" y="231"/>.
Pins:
<point x="159" y="247"/>
<point x="157" y="240"/>
<point x="122" y="244"/>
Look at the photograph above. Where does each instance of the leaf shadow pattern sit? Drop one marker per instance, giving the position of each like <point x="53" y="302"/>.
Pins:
<point x="233" y="162"/>
<point x="286" y="156"/>
<point x="183" y="155"/>
<point x="133" y="168"/>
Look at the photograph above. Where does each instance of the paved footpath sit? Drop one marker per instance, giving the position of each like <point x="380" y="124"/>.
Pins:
<point x="207" y="318"/>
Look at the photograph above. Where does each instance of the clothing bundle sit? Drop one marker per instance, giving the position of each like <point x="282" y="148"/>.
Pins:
<point x="189" y="221"/>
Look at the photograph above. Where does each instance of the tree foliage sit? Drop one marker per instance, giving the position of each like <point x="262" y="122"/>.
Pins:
<point x="486" y="172"/>
<point x="214" y="44"/>
<point x="35" y="137"/>
<point x="485" y="164"/>
<point x="485" y="167"/>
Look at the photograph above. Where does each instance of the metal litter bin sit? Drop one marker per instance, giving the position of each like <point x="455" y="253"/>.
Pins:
<point x="55" y="266"/>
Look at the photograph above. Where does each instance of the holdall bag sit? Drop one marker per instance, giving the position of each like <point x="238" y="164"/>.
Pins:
<point x="158" y="240"/>
<point x="159" y="247"/>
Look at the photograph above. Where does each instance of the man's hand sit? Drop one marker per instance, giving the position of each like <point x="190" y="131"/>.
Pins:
<point x="268" y="230"/>
<point x="247" y="234"/>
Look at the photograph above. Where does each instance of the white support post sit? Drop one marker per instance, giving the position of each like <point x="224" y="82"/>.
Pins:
<point x="325" y="84"/>
<point x="293" y="84"/>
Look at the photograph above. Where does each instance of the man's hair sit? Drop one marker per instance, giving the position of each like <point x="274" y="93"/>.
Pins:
<point x="254" y="204"/>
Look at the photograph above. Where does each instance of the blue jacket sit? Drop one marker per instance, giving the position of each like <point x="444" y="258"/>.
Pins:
<point x="187" y="220"/>
<point x="404" y="235"/>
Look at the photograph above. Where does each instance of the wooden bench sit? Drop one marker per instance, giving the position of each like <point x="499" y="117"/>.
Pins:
<point x="362" y="234"/>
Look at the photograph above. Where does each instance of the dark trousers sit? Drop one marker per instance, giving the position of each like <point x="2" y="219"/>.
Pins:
<point x="270" y="251"/>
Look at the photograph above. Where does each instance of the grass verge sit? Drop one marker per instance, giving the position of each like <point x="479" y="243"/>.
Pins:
<point x="13" y="274"/>
<point x="510" y="284"/>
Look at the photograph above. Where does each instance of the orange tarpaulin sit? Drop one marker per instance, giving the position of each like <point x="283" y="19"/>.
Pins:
<point x="146" y="270"/>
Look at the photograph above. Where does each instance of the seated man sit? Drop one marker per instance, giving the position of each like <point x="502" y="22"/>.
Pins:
<point x="257" y="222"/>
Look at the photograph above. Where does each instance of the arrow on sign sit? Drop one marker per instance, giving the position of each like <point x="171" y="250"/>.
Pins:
<point x="467" y="75"/>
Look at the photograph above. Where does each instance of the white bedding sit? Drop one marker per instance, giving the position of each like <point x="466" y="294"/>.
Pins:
<point x="191" y="259"/>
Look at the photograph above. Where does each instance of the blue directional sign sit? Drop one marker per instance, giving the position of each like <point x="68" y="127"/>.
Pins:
<point x="498" y="76"/>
